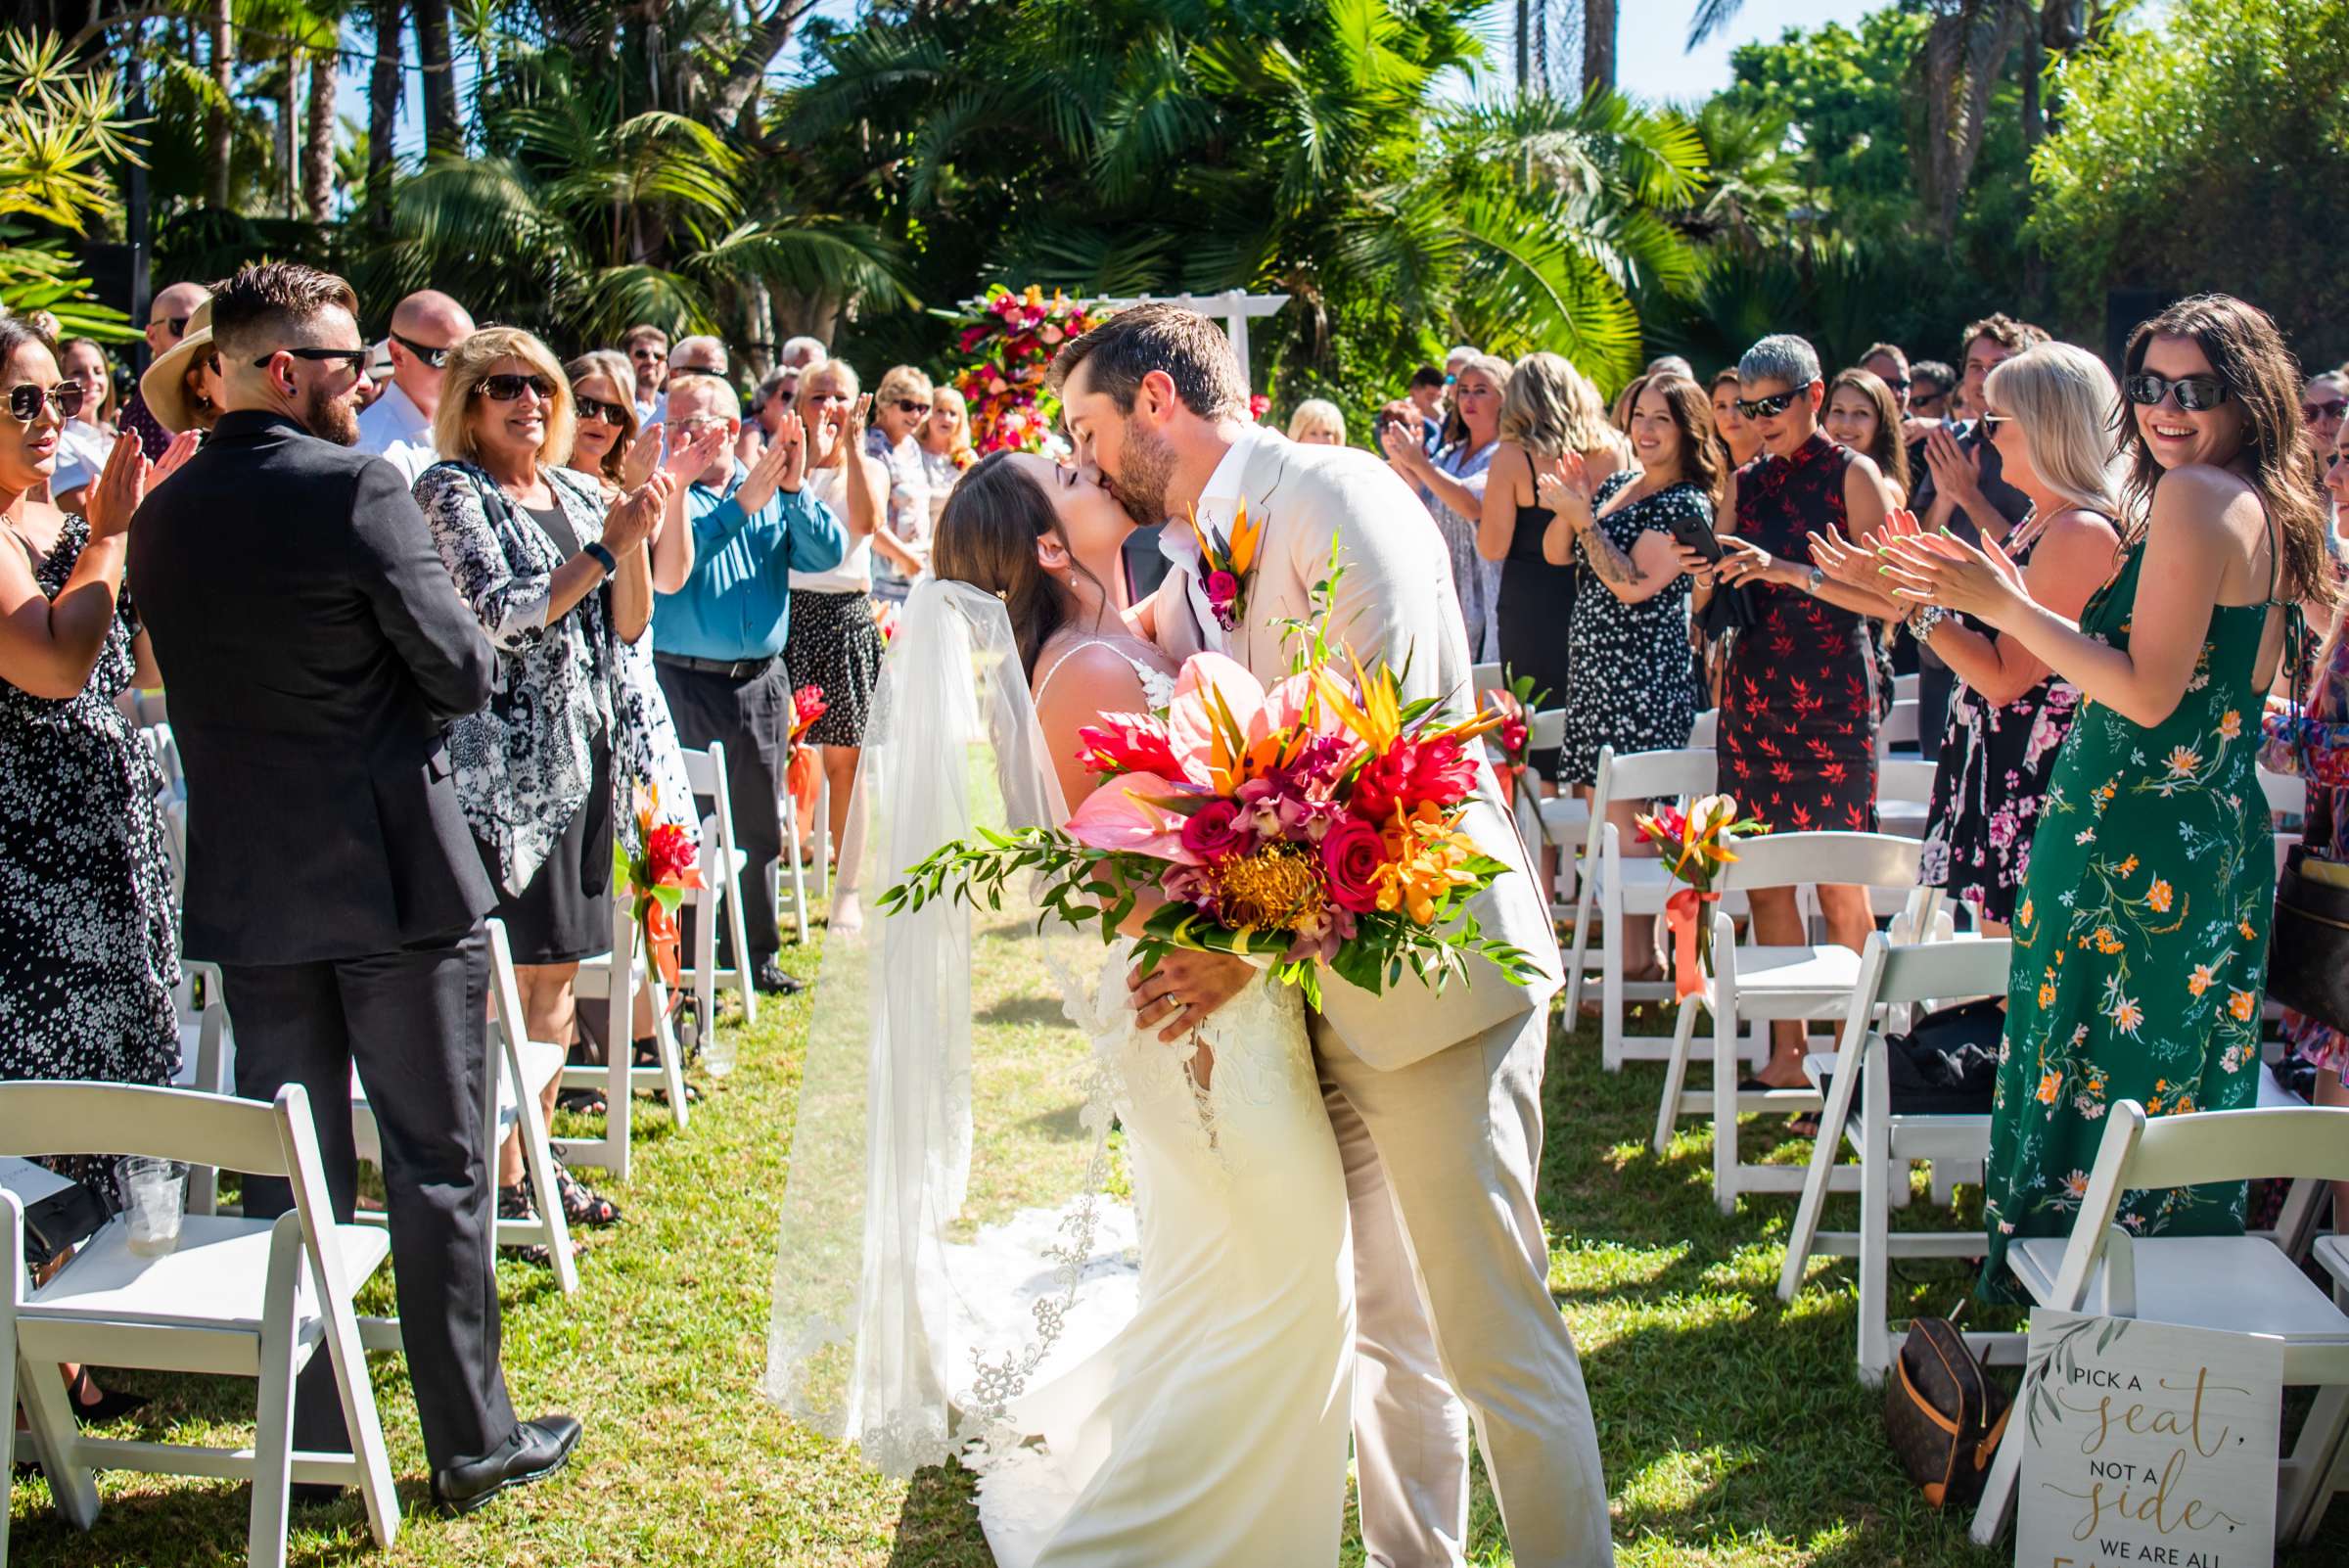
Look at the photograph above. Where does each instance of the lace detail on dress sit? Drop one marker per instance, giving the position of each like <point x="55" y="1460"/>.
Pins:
<point x="1158" y="686"/>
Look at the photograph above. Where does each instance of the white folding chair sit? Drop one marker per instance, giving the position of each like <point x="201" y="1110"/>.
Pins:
<point x="613" y="980"/>
<point x="1482" y="679"/>
<point x="247" y="1298"/>
<point x="1760" y="985"/>
<point x="1627" y="893"/>
<point x="1705" y="732"/>
<point x="1904" y="795"/>
<point x="520" y="1070"/>
<point x="2237" y="1285"/>
<point x="1905" y="688"/>
<point x="1552" y="821"/>
<point x="721" y="894"/>
<point x="2286" y="793"/>
<point x="1916" y="976"/>
<point x="1899" y="727"/>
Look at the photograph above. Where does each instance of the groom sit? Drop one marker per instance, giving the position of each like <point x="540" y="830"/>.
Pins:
<point x="1435" y="1100"/>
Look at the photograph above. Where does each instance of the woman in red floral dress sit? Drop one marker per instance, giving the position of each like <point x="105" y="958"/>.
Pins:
<point x="1799" y="689"/>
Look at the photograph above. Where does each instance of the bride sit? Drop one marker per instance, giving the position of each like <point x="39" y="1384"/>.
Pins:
<point x="1211" y="1428"/>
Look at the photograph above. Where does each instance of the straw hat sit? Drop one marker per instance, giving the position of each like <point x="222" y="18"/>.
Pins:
<point x="165" y="385"/>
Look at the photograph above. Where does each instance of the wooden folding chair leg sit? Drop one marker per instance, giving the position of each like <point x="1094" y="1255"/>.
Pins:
<point x="672" y="1058"/>
<point x="1676" y="1075"/>
<point x="10" y="1261"/>
<point x="2309" y="1470"/>
<point x="49" y="1411"/>
<point x="1998" y="1490"/>
<point x="273" y="1421"/>
<point x="1582" y="946"/>
<point x="539" y="1159"/>
<point x="1876" y="1166"/>
<point x="2335" y="1481"/>
<point x="1725" y="1075"/>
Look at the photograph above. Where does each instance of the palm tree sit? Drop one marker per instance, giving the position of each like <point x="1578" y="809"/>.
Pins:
<point x="60" y="129"/>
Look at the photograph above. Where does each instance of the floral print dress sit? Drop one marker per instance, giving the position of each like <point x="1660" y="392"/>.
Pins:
<point x="1995" y="760"/>
<point x="2141" y="943"/>
<point x="1628" y="684"/>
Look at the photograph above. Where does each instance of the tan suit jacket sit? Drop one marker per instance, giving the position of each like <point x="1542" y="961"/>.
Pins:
<point x="1394" y="602"/>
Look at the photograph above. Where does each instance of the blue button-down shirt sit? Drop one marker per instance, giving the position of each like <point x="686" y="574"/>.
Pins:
<point x="737" y="602"/>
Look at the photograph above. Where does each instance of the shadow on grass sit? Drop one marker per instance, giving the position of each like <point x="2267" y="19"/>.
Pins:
<point x="938" y="1524"/>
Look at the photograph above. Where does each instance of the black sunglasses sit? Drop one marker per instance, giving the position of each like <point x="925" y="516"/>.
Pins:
<point x="2196" y="394"/>
<point x="355" y="359"/>
<point x="433" y="358"/>
<point x="25" y="399"/>
<point x="597" y="408"/>
<point x="1988" y="425"/>
<point x="2312" y="412"/>
<point x="177" y="324"/>
<point x="906" y="405"/>
<point x="506" y="387"/>
<point x="1769" y="407"/>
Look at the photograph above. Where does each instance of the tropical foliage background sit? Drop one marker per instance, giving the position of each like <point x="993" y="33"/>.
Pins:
<point x="1412" y="172"/>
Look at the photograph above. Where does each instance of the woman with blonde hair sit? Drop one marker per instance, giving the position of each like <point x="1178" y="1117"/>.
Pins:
<point x="946" y="451"/>
<point x="1317" y="423"/>
<point x="1551" y="410"/>
<point x="559" y="582"/>
<point x="901" y="407"/>
<point x="1453" y="479"/>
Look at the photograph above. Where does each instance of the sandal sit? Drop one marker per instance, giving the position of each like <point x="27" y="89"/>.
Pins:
<point x="513" y="1203"/>
<point x="585" y="1101"/>
<point x="110" y="1405"/>
<point x="648" y="1054"/>
<point x="582" y="1205"/>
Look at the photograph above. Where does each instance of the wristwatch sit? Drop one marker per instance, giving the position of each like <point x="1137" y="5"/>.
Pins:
<point x="594" y="551"/>
<point x="1817" y="581"/>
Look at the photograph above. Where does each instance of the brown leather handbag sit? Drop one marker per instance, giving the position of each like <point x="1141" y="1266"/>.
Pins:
<point x="1944" y="1414"/>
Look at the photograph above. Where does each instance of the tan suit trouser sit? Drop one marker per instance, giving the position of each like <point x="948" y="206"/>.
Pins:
<point x="1453" y="1292"/>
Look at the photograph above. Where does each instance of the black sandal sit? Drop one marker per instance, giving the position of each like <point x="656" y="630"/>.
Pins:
<point x="513" y="1203"/>
<point x="582" y="1205"/>
<point x="585" y="1101"/>
<point x="648" y="1054"/>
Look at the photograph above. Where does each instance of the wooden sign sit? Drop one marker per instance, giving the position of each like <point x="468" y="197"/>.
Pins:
<point x="2146" y="1443"/>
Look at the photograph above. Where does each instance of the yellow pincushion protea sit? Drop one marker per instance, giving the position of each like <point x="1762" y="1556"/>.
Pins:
<point x="1277" y="888"/>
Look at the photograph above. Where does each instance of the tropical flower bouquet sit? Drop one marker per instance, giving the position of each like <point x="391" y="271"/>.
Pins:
<point x="1013" y="342"/>
<point x="655" y="876"/>
<point x="1695" y="844"/>
<point x="1515" y="699"/>
<point x="1314" y="824"/>
<point x="800" y="773"/>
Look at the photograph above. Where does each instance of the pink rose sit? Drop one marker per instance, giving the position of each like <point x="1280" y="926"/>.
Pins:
<point x="1214" y="831"/>
<point x="1221" y="587"/>
<point x="1351" y="856"/>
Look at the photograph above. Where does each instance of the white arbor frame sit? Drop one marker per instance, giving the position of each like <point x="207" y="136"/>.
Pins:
<point x="1234" y="307"/>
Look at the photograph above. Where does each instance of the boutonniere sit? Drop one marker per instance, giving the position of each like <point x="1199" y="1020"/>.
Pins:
<point x="1225" y="570"/>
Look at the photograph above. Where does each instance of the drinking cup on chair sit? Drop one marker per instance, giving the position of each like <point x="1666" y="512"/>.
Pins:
<point x="155" y="1196"/>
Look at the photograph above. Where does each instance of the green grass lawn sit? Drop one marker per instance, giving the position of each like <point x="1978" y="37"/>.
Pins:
<point x="1735" y="1432"/>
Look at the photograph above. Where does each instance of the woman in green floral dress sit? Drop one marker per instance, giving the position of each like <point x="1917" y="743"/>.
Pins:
<point x="2140" y="939"/>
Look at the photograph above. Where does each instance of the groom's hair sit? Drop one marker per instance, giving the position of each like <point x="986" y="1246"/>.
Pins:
<point x="1190" y="349"/>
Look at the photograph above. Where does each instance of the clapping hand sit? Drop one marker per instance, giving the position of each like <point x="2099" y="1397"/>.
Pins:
<point x="1401" y="446"/>
<point x="696" y="455"/>
<point x="781" y="466"/>
<point x="842" y="425"/>
<point x="1847" y="563"/>
<point x="1563" y="484"/>
<point x="114" y="496"/>
<point x="642" y="457"/>
<point x="184" y="445"/>
<point x="1957" y="472"/>
<point x="633" y="517"/>
<point x="1944" y="570"/>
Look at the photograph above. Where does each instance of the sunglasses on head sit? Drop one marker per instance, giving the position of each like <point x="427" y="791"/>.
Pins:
<point x="26" y="400"/>
<point x="597" y="408"/>
<point x="2195" y="394"/>
<point x="2312" y="412"/>
<point x="504" y="389"/>
<point x="1769" y="407"/>
<point x="433" y="358"/>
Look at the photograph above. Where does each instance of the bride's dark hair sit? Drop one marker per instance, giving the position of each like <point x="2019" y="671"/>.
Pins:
<point x="987" y="537"/>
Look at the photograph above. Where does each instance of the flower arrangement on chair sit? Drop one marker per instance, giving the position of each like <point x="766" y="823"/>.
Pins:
<point x="656" y="876"/>
<point x="802" y="775"/>
<point x="1695" y="845"/>
<point x="1516" y="700"/>
<point x="1012" y="344"/>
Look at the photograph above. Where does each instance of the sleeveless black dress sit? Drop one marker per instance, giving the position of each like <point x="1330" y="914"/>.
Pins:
<point x="1799" y="686"/>
<point x="1536" y="609"/>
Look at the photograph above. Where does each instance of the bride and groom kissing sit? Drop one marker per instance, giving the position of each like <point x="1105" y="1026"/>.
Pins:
<point x="1338" y="1230"/>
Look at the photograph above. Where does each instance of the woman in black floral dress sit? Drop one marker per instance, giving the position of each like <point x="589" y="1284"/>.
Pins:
<point x="88" y="938"/>
<point x="1799" y="689"/>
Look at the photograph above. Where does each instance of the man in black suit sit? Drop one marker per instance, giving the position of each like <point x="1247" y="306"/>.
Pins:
<point x="315" y="652"/>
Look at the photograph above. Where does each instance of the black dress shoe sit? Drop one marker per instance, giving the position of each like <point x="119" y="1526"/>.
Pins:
<point x="773" y="982"/>
<point x="537" y="1450"/>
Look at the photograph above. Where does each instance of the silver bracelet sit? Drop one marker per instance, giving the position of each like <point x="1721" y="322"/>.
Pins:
<point x="1923" y="623"/>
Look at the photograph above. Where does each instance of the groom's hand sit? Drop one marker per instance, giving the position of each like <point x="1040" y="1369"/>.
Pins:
<point x="1183" y="990"/>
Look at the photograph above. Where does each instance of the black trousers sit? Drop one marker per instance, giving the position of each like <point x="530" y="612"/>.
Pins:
<point x="417" y="1021"/>
<point x="751" y="718"/>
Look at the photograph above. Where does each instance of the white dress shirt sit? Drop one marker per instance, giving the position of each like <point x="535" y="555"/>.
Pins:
<point x="1219" y="506"/>
<point x="396" y="431"/>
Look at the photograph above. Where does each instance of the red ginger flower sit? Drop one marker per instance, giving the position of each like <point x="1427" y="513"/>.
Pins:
<point x="1410" y="772"/>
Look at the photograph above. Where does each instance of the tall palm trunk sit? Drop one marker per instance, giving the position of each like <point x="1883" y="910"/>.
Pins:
<point x="216" y="118"/>
<point x="1599" y="19"/>
<point x="1965" y="49"/>
<point x="289" y="179"/>
<point x="442" y="132"/>
<point x="318" y="140"/>
<point x="383" y="111"/>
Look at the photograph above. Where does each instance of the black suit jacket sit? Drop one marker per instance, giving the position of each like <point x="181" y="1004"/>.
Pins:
<point x="315" y="652"/>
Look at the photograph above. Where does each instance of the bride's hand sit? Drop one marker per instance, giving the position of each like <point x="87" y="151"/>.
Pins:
<point x="1183" y="990"/>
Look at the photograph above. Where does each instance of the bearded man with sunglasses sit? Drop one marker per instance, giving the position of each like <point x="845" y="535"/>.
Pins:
<point x="397" y="427"/>
<point x="316" y="656"/>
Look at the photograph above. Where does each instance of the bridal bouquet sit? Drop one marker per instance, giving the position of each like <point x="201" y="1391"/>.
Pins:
<point x="1515" y="699"/>
<point x="656" y="875"/>
<point x="1694" y="843"/>
<point x="1316" y="823"/>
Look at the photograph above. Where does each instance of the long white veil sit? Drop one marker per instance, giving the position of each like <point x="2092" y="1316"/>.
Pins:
<point x="892" y="1327"/>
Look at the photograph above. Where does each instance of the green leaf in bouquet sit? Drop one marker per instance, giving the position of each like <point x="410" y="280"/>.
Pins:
<point x="667" y="898"/>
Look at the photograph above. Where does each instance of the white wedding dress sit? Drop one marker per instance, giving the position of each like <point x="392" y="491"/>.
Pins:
<point x="1212" y="1431"/>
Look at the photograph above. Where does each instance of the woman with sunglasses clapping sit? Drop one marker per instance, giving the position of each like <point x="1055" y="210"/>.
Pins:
<point x="2141" y="938"/>
<point x="901" y="408"/>
<point x="559" y="582"/>
<point x="88" y="951"/>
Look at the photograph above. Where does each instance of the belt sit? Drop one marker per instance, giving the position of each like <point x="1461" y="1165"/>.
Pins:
<point x="731" y="668"/>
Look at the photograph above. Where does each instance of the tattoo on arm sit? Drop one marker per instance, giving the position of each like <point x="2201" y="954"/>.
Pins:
<point x="1608" y="560"/>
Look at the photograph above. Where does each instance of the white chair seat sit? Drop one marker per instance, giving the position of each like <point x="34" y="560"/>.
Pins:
<point x="217" y="1277"/>
<point x="1561" y="814"/>
<point x="2333" y="1255"/>
<point x="1774" y="978"/>
<point x="2237" y="1283"/>
<point x="1905" y="817"/>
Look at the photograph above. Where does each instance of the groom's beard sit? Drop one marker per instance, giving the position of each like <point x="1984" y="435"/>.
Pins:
<point x="1149" y="463"/>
